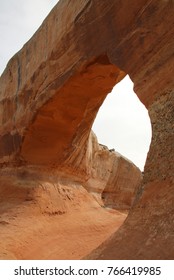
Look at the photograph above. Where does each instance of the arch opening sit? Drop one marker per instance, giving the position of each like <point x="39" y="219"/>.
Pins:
<point x="123" y="123"/>
<point x="58" y="134"/>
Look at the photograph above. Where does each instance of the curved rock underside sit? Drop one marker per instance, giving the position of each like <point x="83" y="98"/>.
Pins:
<point x="50" y="93"/>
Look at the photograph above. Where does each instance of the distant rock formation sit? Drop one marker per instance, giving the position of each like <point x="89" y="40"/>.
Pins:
<point x="50" y="93"/>
<point x="113" y="179"/>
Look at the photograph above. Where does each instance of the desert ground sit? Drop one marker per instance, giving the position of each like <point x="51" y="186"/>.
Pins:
<point x="72" y="231"/>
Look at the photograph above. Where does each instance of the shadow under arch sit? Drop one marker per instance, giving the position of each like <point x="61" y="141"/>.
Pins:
<point x="62" y="126"/>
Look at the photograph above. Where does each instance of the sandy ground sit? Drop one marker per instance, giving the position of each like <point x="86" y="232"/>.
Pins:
<point x="26" y="233"/>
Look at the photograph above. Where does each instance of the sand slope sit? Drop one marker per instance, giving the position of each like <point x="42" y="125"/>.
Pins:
<point x="28" y="231"/>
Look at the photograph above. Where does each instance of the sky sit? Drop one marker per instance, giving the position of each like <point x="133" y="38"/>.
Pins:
<point x="122" y="122"/>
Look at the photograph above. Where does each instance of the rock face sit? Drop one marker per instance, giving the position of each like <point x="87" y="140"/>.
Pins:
<point x="48" y="105"/>
<point x="113" y="179"/>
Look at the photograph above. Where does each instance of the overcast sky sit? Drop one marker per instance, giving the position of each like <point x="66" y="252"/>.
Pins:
<point x="122" y="122"/>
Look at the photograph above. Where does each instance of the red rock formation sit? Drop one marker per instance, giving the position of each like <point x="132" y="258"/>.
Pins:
<point x="51" y="90"/>
<point x="113" y="179"/>
<point x="41" y="205"/>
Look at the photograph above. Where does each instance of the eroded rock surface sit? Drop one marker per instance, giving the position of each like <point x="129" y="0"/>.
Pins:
<point x="51" y="90"/>
<point x="112" y="179"/>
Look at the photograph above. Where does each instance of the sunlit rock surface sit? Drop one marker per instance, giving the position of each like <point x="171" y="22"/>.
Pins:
<point x="113" y="179"/>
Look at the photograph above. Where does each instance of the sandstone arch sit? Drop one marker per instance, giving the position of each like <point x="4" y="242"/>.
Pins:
<point x="97" y="37"/>
<point x="63" y="124"/>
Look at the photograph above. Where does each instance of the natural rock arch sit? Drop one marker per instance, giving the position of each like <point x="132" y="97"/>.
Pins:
<point x="96" y="39"/>
<point x="62" y="126"/>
